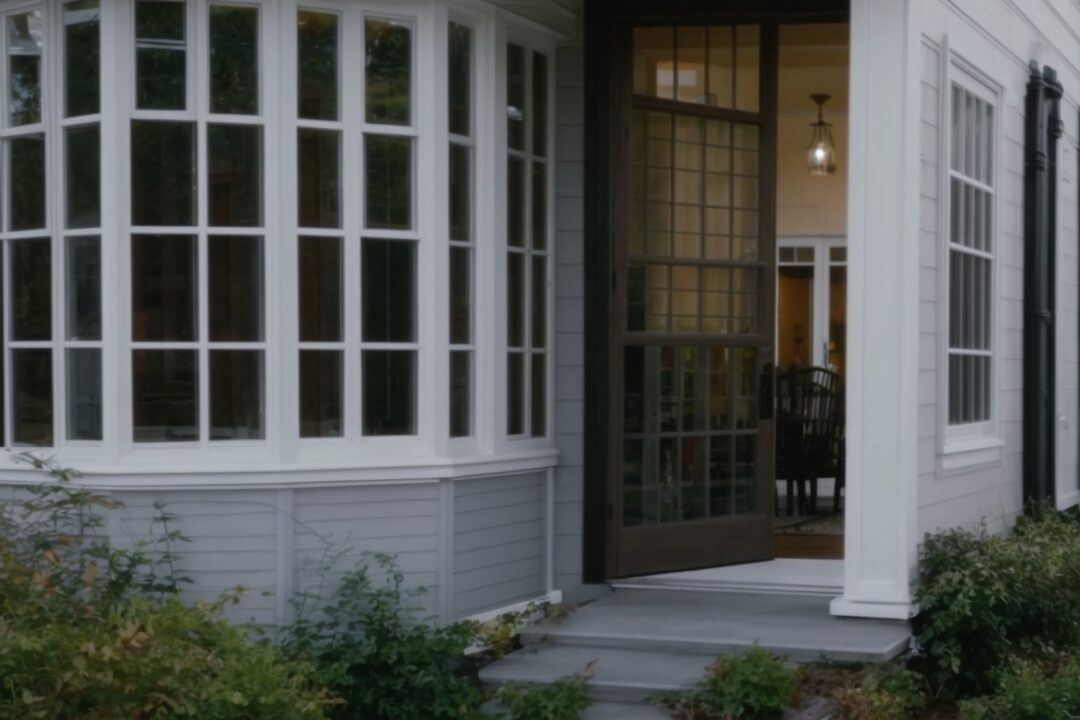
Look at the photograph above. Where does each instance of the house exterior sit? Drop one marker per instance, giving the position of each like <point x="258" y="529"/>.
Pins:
<point x="494" y="287"/>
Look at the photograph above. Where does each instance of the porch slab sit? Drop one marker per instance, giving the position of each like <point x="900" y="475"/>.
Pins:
<point x="784" y="576"/>
<point x="798" y="627"/>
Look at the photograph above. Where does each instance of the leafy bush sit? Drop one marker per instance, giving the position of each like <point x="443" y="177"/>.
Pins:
<point x="753" y="685"/>
<point x="77" y="639"/>
<point x="564" y="699"/>
<point x="986" y="598"/>
<point x="373" y="648"/>
<point x="886" y="693"/>
<point x="1031" y="691"/>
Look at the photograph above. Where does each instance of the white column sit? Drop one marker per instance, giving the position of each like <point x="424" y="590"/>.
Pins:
<point x="880" y="544"/>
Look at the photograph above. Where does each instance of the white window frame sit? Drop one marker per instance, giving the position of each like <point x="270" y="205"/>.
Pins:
<point x="822" y="245"/>
<point x="282" y="457"/>
<point x="971" y="444"/>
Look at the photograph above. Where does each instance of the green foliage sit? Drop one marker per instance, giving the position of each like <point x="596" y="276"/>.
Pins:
<point x="78" y="640"/>
<point x="372" y="647"/>
<point x="886" y="693"/>
<point x="986" y="598"/>
<point x="564" y="699"/>
<point x="753" y="685"/>
<point x="1031" y="691"/>
<point x="499" y="636"/>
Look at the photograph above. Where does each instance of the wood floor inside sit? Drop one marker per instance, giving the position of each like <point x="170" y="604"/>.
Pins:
<point x="809" y="546"/>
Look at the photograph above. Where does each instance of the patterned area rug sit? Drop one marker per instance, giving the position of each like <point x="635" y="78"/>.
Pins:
<point x="830" y="523"/>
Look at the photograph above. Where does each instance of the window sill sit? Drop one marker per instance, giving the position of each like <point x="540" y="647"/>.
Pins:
<point x="964" y="452"/>
<point x="332" y="470"/>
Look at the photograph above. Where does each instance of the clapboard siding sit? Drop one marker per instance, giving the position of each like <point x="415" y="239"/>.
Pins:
<point x="498" y="546"/>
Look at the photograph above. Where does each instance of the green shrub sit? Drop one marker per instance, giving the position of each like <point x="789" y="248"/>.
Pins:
<point x="886" y="693"/>
<point x="374" y="649"/>
<point x="1030" y="691"/>
<point x="986" y="598"/>
<point x="564" y="699"/>
<point x="753" y="685"/>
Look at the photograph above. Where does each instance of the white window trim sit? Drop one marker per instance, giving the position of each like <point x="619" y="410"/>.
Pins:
<point x="431" y="449"/>
<point x="822" y="246"/>
<point x="964" y="446"/>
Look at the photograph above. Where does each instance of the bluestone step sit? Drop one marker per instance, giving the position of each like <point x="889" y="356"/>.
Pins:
<point x="799" y="628"/>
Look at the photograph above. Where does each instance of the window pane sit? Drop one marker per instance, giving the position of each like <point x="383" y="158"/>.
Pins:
<point x="320" y="393"/>
<point x="162" y="173"/>
<point x="82" y="58"/>
<point x="459" y="78"/>
<point x="515" y="307"/>
<point x="539" y="395"/>
<point x="236" y="395"/>
<point x="721" y="66"/>
<point x="320" y="178"/>
<point x="320" y="289"/>
<point x="389" y="294"/>
<point x="539" y="206"/>
<point x="234" y="59"/>
<point x="389" y="52"/>
<point x="690" y="65"/>
<point x="24" y="37"/>
<point x="747" y="71"/>
<point x="83" y="176"/>
<point x="460" y="296"/>
<point x="389" y="182"/>
<point x="515" y="96"/>
<point x="539" y="104"/>
<point x="84" y="394"/>
<point x="27" y="192"/>
<point x="539" y="302"/>
<point x="235" y="181"/>
<point x="165" y="395"/>
<point x="460" y="393"/>
<point x="83" y="295"/>
<point x="654" y="61"/>
<point x="318" y="60"/>
<point x="236" y="288"/>
<point x="460" y="193"/>
<point x="32" y="400"/>
<point x="515" y="204"/>
<point x="31" y="289"/>
<point x="163" y="277"/>
<point x="515" y="394"/>
<point x="389" y="392"/>
<point x="160" y="56"/>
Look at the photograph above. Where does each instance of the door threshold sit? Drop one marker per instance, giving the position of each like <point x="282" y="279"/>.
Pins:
<point x="783" y="576"/>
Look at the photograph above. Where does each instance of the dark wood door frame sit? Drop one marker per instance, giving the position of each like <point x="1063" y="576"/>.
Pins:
<point x="606" y="88"/>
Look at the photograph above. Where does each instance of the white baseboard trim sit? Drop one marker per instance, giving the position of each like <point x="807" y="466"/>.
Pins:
<point x="843" y="607"/>
<point x="554" y="597"/>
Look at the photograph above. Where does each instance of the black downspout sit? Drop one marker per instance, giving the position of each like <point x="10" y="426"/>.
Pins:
<point x="1042" y="129"/>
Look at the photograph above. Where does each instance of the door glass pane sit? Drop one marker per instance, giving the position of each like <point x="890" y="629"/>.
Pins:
<point x="388" y="83"/>
<point x="721" y="66"/>
<point x="82" y="58"/>
<point x="83" y="176"/>
<point x="24" y="39"/>
<point x="795" y="316"/>
<point x="654" y="61"/>
<point x="317" y="50"/>
<point x="236" y="288"/>
<point x="27" y="191"/>
<point x="747" y="67"/>
<point x="165" y="395"/>
<point x="32" y="399"/>
<point x="235" y="175"/>
<point x="160" y="55"/>
<point x="236" y="395"/>
<point x="459" y="78"/>
<point x="389" y="392"/>
<point x="84" y="394"/>
<point x="515" y="96"/>
<point x="163" y="282"/>
<point x="838" y="319"/>
<point x="234" y="59"/>
<point x="320" y="289"/>
<point x="389" y="290"/>
<point x="321" y="390"/>
<point x="389" y="182"/>
<point x="83" y="271"/>
<point x="31" y="289"/>
<point x="162" y="172"/>
<point x="690" y="65"/>
<point x="319" y="178"/>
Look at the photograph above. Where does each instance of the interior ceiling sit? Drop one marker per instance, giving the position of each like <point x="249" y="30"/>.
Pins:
<point x="813" y="59"/>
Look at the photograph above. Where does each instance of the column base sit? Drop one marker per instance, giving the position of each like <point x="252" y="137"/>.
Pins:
<point x="845" y="607"/>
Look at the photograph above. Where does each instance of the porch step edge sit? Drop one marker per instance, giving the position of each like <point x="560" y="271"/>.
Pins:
<point x="827" y="591"/>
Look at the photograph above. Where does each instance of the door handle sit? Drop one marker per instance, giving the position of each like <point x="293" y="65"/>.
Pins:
<point x="767" y="391"/>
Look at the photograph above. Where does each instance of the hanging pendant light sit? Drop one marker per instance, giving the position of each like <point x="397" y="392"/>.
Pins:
<point x="821" y="157"/>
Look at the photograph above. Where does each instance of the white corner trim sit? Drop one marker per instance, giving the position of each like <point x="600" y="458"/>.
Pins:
<point x="554" y="598"/>
<point x="962" y="452"/>
<point x="842" y="607"/>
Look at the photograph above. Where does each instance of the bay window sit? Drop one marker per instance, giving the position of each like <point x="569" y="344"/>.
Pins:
<point x="223" y="229"/>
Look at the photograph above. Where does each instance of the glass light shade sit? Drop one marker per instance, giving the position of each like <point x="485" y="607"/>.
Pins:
<point x="821" y="156"/>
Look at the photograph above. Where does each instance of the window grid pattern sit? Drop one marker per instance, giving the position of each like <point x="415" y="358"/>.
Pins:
<point x="198" y="337"/>
<point x="461" y="223"/>
<point x="527" y="243"/>
<point x="971" y="258"/>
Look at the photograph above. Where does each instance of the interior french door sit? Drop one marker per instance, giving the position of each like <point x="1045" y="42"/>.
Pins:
<point x="694" y="301"/>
